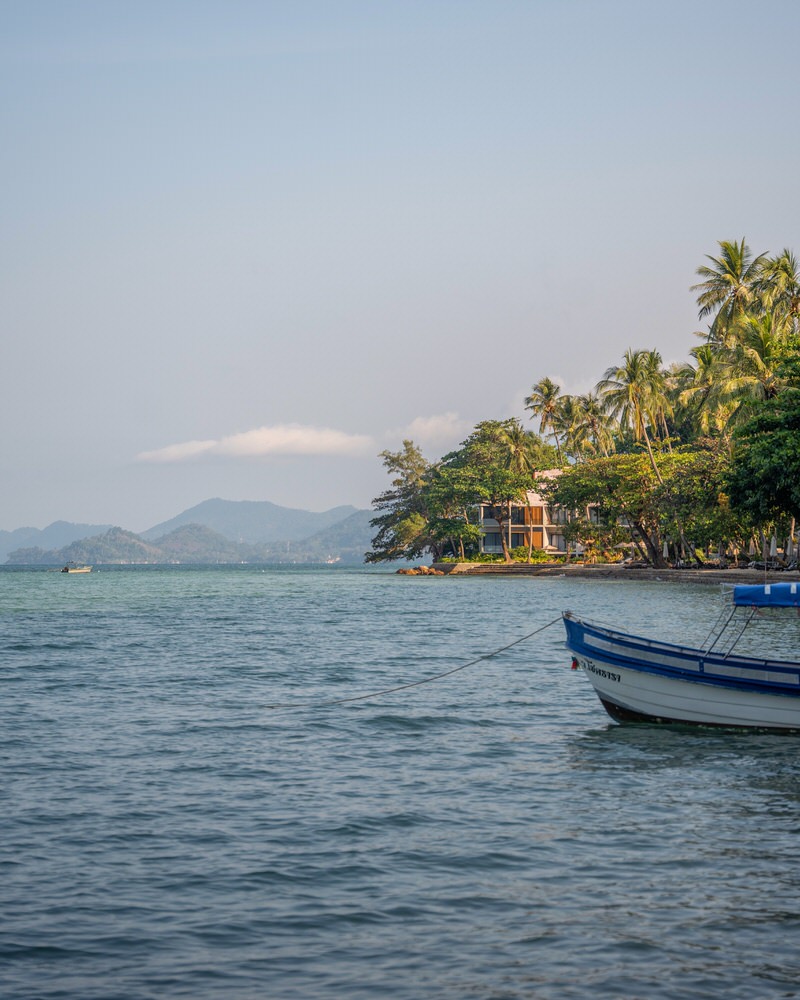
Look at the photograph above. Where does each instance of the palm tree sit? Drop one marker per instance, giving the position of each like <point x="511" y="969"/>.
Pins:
<point x="729" y="286"/>
<point x="634" y="392"/>
<point x="660" y="401"/>
<point x="519" y="446"/>
<point x="749" y="370"/>
<point x="697" y="392"/>
<point x="567" y="422"/>
<point x="594" y="432"/>
<point x="543" y="402"/>
<point x="780" y="286"/>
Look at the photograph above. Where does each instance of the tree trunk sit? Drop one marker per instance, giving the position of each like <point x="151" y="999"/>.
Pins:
<point x="652" y="457"/>
<point x="503" y="523"/>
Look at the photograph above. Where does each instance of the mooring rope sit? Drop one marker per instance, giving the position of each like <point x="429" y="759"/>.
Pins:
<point x="411" y="684"/>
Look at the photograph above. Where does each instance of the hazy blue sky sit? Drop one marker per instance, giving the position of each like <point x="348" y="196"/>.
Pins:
<point x="248" y="245"/>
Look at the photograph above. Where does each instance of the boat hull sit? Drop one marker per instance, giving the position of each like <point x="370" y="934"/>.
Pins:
<point x="639" y="680"/>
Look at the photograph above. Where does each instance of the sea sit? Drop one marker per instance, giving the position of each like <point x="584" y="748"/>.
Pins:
<point x="297" y="783"/>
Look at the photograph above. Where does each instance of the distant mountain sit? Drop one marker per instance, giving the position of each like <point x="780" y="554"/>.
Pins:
<point x="344" y="542"/>
<point x="258" y="522"/>
<point x="195" y="543"/>
<point x="191" y="543"/>
<point x="113" y="546"/>
<point x="55" y="536"/>
<point x="216" y="531"/>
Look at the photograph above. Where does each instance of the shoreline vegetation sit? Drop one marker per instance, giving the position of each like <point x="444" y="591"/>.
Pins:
<point x="669" y="462"/>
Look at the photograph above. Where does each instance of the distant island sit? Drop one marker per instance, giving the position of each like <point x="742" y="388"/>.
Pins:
<point x="215" y="531"/>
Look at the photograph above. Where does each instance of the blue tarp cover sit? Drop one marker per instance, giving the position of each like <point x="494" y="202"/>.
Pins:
<point x="767" y="595"/>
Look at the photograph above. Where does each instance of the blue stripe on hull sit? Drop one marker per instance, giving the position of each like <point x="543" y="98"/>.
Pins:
<point x="618" y="649"/>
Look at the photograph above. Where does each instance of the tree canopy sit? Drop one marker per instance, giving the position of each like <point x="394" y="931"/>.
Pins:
<point x="707" y="450"/>
<point x="764" y="477"/>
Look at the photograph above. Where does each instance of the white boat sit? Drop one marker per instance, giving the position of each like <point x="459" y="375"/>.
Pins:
<point x="73" y="568"/>
<point x="642" y="680"/>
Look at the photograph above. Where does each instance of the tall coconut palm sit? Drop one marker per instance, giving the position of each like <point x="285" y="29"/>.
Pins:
<point x="729" y="285"/>
<point x="780" y="286"/>
<point x="595" y="426"/>
<point x="633" y="393"/>
<point x="543" y="402"/>
<point x="519" y="447"/>
<point x="660" y="397"/>
<point x="566" y="422"/>
<point x="697" y="392"/>
<point x="749" y="370"/>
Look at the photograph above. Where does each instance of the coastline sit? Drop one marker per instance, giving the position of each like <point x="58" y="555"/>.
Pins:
<point x="608" y="571"/>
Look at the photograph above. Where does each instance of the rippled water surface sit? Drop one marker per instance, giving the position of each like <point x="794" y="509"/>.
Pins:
<point x="165" y="831"/>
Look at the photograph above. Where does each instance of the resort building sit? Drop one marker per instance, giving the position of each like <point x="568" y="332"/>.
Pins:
<point x="532" y="524"/>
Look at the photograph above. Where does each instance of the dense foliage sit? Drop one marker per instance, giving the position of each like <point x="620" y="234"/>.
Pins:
<point x="670" y="460"/>
<point x="434" y="507"/>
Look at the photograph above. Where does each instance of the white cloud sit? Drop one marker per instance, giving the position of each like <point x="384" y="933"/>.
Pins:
<point x="282" y="439"/>
<point x="443" y="430"/>
<point x="177" y="452"/>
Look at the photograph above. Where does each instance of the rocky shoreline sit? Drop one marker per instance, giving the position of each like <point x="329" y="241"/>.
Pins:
<point x="606" y="571"/>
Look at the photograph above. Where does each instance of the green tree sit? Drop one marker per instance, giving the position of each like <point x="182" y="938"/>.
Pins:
<point x="402" y="525"/>
<point x="635" y="393"/>
<point x="698" y="395"/>
<point x="779" y="287"/>
<point x="729" y="286"/>
<point x="453" y="500"/>
<point x="500" y="477"/>
<point x="543" y="402"/>
<point x="623" y="492"/>
<point x="764" y="478"/>
<point x="749" y="367"/>
<point x="594" y="433"/>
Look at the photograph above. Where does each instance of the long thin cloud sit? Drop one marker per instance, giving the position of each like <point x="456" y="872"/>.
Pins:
<point x="281" y="439"/>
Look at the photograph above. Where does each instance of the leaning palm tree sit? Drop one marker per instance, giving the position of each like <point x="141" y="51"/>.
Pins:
<point x="729" y="286"/>
<point x="632" y="392"/>
<point x="543" y="402"/>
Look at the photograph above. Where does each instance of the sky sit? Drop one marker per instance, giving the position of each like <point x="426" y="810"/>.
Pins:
<point x="247" y="246"/>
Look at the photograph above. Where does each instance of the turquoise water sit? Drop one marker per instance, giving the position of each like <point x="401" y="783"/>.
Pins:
<point x="164" y="832"/>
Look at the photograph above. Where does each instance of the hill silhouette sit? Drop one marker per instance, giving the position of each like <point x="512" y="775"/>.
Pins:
<point x="255" y="521"/>
<point x="216" y="531"/>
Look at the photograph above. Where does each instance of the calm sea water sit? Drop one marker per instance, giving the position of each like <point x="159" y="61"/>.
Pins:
<point x="165" y="832"/>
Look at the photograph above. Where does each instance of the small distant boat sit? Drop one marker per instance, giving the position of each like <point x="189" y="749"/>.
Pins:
<point x="642" y="680"/>
<point x="75" y="568"/>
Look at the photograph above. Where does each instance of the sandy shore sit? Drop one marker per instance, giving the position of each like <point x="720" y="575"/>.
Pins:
<point x="619" y="572"/>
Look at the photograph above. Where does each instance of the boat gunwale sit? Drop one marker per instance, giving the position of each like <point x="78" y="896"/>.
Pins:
<point x="641" y="645"/>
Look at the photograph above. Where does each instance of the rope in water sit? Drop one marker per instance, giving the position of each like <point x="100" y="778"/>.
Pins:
<point x="424" y="680"/>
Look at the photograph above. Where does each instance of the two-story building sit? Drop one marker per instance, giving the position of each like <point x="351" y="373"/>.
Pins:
<point x="533" y="524"/>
